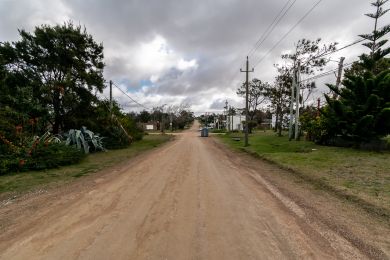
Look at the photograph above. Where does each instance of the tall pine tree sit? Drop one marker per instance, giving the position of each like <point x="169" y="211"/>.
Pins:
<point x="361" y="112"/>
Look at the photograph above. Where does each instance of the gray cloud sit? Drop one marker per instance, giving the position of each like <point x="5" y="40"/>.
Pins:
<point x="217" y="34"/>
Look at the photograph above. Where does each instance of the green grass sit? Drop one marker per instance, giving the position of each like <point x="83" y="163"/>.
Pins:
<point x="361" y="176"/>
<point x="26" y="181"/>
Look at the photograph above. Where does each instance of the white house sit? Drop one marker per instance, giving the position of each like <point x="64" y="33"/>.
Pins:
<point x="235" y="122"/>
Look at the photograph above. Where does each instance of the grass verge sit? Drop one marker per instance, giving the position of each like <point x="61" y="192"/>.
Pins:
<point x="26" y="181"/>
<point x="362" y="177"/>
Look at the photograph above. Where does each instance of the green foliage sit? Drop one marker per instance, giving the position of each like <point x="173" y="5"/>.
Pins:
<point x="42" y="154"/>
<point x="48" y="80"/>
<point x="52" y="155"/>
<point x="60" y="67"/>
<point x="256" y="96"/>
<point x="361" y="113"/>
<point x="311" y="124"/>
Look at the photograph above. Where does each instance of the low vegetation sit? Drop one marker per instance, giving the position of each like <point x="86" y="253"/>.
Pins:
<point x="358" y="175"/>
<point x="15" y="183"/>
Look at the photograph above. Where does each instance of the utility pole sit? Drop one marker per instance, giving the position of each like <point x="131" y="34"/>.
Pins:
<point x="232" y="123"/>
<point x="110" y="95"/>
<point x="293" y="87"/>
<point x="111" y="114"/>
<point x="162" y="119"/>
<point x="226" y="116"/>
<point x="246" y="99"/>
<point x="297" y="83"/>
<point x="338" y="79"/>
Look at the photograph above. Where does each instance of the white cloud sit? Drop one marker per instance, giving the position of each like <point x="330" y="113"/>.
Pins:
<point x="185" y="65"/>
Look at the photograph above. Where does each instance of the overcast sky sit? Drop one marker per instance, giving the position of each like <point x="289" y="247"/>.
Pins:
<point x="174" y="51"/>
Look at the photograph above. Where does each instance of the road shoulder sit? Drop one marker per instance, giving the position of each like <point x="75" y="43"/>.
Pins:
<point x="320" y="207"/>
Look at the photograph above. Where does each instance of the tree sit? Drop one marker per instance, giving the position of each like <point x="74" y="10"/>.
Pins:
<point x="144" y="116"/>
<point x="375" y="44"/>
<point x="256" y="91"/>
<point x="310" y="56"/>
<point x="279" y="96"/>
<point x="62" y="65"/>
<point x="362" y="111"/>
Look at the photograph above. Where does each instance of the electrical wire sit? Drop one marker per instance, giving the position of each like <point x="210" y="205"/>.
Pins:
<point x="325" y="73"/>
<point x="288" y="32"/>
<point x="132" y="99"/>
<point x="269" y="30"/>
<point x="334" y="51"/>
<point x="272" y="26"/>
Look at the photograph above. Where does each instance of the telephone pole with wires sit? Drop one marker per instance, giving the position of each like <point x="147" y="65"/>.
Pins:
<point x="340" y="71"/>
<point x="297" y="91"/>
<point x="246" y="99"/>
<point x="226" y="116"/>
<point x="110" y="95"/>
<point x="290" y="125"/>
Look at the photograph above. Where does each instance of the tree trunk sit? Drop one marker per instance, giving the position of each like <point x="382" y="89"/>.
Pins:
<point x="280" y="122"/>
<point x="57" y="115"/>
<point x="276" y="119"/>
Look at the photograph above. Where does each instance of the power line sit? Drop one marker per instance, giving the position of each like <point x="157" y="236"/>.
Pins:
<point x="337" y="50"/>
<point x="269" y="30"/>
<point x="271" y="27"/>
<point x="288" y="32"/>
<point x="326" y="73"/>
<point x="132" y="99"/>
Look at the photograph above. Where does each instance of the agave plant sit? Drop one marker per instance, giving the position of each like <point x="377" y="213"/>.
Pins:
<point x="47" y="138"/>
<point x="85" y="139"/>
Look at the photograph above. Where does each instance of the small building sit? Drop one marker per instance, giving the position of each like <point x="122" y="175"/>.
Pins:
<point x="150" y="126"/>
<point x="234" y="123"/>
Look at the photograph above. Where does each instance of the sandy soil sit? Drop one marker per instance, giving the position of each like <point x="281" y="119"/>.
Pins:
<point x="186" y="200"/>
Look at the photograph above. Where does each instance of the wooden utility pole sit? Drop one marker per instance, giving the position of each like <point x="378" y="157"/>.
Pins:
<point x="246" y="99"/>
<point x="110" y="95"/>
<point x="162" y="119"/>
<point x="226" y="117"/>
<point x="297" y="83"/>
<point x="293" y="87"/>
<point x="339" y="73"/>
<point x="111" y="114"/>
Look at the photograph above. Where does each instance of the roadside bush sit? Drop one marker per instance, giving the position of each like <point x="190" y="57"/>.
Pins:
<point x="52" y="155"/>
<point x="8" y="163"/>
<point x="42" y="156"/>
<point x="115" y="138"/>
<point x="218" y="131"/>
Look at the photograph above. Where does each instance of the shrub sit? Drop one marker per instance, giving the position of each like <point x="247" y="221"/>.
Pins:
<point x="52" y="155"/>
<point x="39" y="156"/>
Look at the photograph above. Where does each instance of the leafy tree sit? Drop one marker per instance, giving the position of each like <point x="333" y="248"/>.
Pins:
<point x="144" y="116"/>
<point x="62" y="65"/>
<point x="310" y="56"/>
<point x="279" y="96"/>
<point x="256" y="96"/>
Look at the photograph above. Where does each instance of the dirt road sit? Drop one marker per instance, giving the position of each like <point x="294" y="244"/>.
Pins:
<point x="185" y="200"/>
